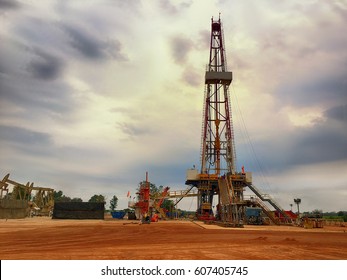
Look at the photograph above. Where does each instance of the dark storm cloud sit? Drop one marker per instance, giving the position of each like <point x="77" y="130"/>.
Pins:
<point x="9" y="4"/>
<point x="25" y="141"/>
<point x="91" y="47"/>
<point x="323" y="142"/>
<point x="180" y="48"/>
<point x="45" y="66"/>
<point x="85" y="43"/>
<point x="24" y="136"/>
<point x="7" y="91"/>
<point x="36" y="97"/>
<point x="338" y="113"/>
<point x="31" y="81"/>
<point x="2" y="71"/>
<point x="320" y="143"/>
<point x="315" y="90"/>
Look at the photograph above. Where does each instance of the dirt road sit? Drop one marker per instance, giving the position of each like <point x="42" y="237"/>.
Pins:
<point x="43" y="238"/>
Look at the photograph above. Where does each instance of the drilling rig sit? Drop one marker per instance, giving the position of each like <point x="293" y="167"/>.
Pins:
<point x="148" y="203"/>
<point x="218" y="175"/>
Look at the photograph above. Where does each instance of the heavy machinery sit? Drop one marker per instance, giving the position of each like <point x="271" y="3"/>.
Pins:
<point x="253" y="215"/>
<point x="148" y="205"/>
<point x="142" y="206"/>
<point x="157" y="203"/>
<point x="40" y="200"/>
<point x="218" y="175"/>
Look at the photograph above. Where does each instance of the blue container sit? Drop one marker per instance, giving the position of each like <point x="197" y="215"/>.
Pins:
<point x="253" y="216"/>
<point x="118" y="214"/>
<point x="253" y="211"/>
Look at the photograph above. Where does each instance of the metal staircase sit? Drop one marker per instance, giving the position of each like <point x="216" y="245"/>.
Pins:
<point x="270" y="200"/>
<point x="267" y="212"/>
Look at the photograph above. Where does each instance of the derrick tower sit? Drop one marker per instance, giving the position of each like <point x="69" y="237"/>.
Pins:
<point x="217" y="174"/>
<point x="217" y="149"/>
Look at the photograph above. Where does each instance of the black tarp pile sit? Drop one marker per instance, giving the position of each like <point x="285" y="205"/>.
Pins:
<point x="79" y="210"/>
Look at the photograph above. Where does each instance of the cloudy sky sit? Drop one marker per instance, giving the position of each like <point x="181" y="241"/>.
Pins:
<point x="95" y="93"/>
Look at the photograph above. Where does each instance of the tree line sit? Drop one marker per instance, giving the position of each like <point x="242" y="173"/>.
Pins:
<point x="60" y="197"/>
<point x="155" y="192"/>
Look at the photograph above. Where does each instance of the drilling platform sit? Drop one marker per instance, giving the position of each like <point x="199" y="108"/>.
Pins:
<point x="218" y="176"/>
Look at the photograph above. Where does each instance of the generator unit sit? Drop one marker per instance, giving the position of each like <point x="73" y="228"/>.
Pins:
<point x="254" y="215"/>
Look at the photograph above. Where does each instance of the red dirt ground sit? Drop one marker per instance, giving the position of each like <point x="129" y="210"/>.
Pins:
<point x="42" y="238"/>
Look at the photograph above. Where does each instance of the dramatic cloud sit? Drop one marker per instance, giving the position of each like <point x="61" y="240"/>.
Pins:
<point x="338" y="113"/>
<point x="320" y="143"/>
<point x="318" y="89"/>
<point x="44" y="66"/>
<point x="35" y="97"/>
<point x="84" y="43"/>
<point x="93" y="95"/>
<point x="23" y="136"/>
<point x="91" y="47"/>
<point x="9" y="4"/>
<point x="26" y="141"/>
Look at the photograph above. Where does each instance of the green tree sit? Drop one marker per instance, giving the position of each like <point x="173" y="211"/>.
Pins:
<point x="317" y="213"/>
<point x="153" y="189"/>
<point x="168" y="205"/>
<point x="97" y="198"/>
<point x="113" y="203"/>
<point x="60" y="197"/>
<point x="76" y="199"/>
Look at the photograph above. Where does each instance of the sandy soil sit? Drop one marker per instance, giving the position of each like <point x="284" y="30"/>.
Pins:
<point x="42" y="238"/>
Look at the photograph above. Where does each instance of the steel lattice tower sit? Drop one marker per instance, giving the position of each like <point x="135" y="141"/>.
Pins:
<point x="217" y="150"/>
<point x="218" y="175"/>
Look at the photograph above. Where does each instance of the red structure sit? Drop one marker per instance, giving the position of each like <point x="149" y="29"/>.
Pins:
<point x="147" y="204"/>
<point x="143" y="198"/>
<point x="157" y="205"/>
<point x="282" y="218"/>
